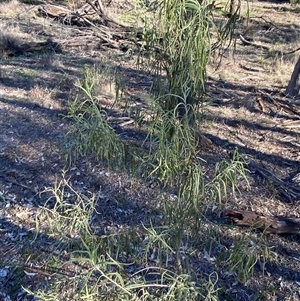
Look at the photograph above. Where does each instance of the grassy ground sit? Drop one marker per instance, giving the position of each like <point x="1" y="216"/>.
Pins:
<point x="74" y="227"/>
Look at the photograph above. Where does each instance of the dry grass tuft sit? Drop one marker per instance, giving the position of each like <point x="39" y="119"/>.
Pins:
<point x="11" y="8"/>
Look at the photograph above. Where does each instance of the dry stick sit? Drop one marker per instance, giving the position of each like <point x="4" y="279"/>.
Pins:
<point x="100" y="10"/>
<point x="16" y="183"/>
<point x="291" y="124"/>
<point x="285" y="53"/>
<point x="270" y="22"/>
<point x="103" y="15"/>
<point x="106" y="32"/>
<point x="261" y="103"/>
<point x="246" y="42"/>
<point x="288" y="190"/>
<point x="291" y="52"/>
<point x="37" y="271"/>
<point x="288" y="108"/>
<point x="85" y="10"/>
<point x="109" y="41"/>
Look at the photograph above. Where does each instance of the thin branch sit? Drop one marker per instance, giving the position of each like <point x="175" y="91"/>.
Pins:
<point x="292" y="51"/>
<point x="246" y="42"/>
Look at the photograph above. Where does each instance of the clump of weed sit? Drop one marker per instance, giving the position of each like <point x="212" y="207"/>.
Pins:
<point x="114" y="266"/>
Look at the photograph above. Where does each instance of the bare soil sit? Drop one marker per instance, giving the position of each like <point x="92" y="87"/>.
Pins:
<point x="246" y="108"/>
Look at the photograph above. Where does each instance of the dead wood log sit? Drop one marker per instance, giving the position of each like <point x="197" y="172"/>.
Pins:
<point x="62" y="14"/>
<point x="269" y="224"/>
<point x="53" y="11"/>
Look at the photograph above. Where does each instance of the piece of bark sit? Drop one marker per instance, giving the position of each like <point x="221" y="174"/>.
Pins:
<point x="53" y="11"/>
<point x="269" y="224"/>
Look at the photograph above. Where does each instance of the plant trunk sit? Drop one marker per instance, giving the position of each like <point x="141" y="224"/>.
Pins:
<point x="294" y="85"/>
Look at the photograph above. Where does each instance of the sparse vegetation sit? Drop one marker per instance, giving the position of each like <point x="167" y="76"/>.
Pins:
<point x="136" y="152"/>
<point x="182" y="38"/>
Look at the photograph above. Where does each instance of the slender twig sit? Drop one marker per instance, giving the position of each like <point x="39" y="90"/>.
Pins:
<point x="291" y="52"/>
<point x="246" y="42"/>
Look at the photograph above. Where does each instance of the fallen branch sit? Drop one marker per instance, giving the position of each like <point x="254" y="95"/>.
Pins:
<point x="246" y="42"/>
<point x="53" y="11"/>
<point x="266" y="21"/>
<point x="105" y="31"/>
<point x="292" y="51"/>
<point x="269" y="224"/>
<point x="287" y="190"/>
<point x="97" y="6"/>
<point x="15" y="182"/>
<point x="287" y="107"/>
